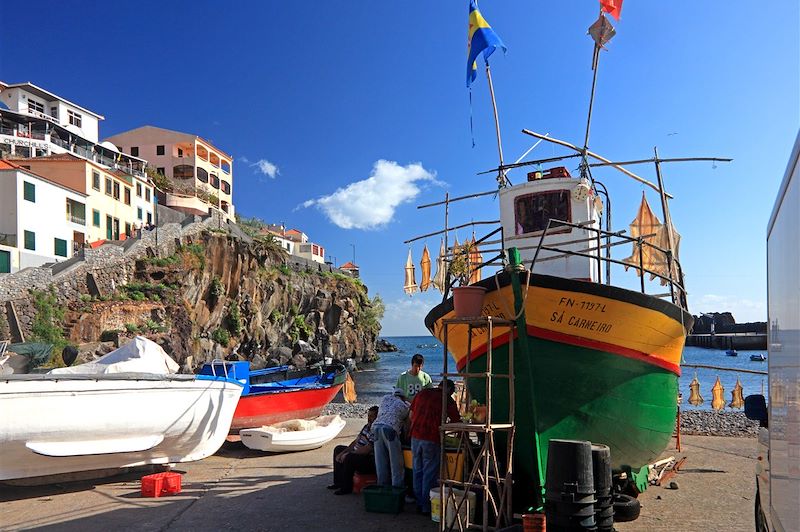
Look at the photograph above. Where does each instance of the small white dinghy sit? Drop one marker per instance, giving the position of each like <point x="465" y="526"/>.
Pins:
<point x="293" y="435"/>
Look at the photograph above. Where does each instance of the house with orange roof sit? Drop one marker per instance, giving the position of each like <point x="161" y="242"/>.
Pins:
<point x="41" y="220"/>
<point x="349" y="267"/>
<point x="116" y="202"/>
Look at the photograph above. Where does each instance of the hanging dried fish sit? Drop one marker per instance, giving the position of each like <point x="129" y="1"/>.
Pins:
<point x="695" y="398"/>
<point x="439" y="278"/>
<point x="717" y="396"/>
<point x="349" y="389"/>
<point x="425" y="270"/>
<point x="410" y="285"/>
<point x="737" y="396"/>
<point x="475" y="259"/>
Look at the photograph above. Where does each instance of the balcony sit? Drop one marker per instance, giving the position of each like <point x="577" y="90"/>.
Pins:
<point x="44" y="116"/>
<point x="76" y="219"/>
<point x="76" y="212"/>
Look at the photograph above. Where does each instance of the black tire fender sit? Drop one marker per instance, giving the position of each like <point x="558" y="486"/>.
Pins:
<point x="626" y="508"/>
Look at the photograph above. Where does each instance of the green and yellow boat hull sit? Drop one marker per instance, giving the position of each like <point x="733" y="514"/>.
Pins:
<point x="598" y="363"/>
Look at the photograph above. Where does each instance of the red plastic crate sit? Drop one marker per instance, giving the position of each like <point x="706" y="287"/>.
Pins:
<point x="361" y="480"/>
<point x="160" y="484"/>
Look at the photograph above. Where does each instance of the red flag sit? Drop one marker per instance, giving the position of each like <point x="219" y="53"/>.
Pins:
<point x="612" y="7"/>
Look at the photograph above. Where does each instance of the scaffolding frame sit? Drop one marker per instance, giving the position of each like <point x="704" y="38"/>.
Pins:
<point x="488" y="476"/>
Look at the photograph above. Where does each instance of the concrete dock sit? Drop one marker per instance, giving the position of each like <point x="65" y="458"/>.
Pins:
<point x="239" y="489"/>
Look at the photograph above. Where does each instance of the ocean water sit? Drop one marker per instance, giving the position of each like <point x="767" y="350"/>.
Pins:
<point x="377" y="379"/>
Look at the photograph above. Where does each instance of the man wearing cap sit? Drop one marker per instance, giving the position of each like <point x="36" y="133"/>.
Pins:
<point x="386" y="429"/>
<point x="426" y="418"/>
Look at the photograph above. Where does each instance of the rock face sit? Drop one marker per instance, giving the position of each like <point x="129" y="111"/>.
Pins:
<point x="221" y="297"/>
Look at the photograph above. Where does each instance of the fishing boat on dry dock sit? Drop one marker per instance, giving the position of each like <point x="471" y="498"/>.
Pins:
<point x="273" y="395"/>
<point x="125" y="409"/>
<point x="595" y="357"/>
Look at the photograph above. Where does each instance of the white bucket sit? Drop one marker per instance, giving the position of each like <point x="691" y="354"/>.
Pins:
<point x="467" y="508"/>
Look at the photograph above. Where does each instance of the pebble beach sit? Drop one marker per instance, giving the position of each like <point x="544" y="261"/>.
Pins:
<point x="695" y="422"/>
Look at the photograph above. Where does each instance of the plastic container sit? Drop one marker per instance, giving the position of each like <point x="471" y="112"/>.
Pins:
<point x="159" y="484"/>
<point x="603" y="506"/>
<point x="455" y="463"/>
<point x="569" y="486"/>
<point x="466" y="510"/>
<point x="362" y="480"/>
<point x="384" y="499"/>
<point x="534" y="523"/>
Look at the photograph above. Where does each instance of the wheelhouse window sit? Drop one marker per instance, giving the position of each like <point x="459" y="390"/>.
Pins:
<point x="532" y="211"/>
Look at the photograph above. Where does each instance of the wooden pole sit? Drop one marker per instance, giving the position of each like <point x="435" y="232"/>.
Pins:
<point x="595" y="61"/>
<point x="595" y="156"/>
<point x="501" y="175"/>
<point x="668" y="222"/>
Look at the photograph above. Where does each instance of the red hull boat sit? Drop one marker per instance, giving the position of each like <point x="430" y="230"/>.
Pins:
<point x="278" y="394"/>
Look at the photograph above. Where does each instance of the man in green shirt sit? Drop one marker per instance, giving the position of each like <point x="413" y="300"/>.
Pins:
<point x="414" y="379"/>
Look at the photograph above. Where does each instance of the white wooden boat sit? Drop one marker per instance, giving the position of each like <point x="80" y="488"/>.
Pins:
<point x="62" y="423"/>
<point x="293" y="435"/>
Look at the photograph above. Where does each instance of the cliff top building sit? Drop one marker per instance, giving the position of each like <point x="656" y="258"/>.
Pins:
<point x="201" y="174"/>
<point x="39" y="123"/>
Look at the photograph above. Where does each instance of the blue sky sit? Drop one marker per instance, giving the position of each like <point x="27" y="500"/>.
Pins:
<point x="358" y="112"/>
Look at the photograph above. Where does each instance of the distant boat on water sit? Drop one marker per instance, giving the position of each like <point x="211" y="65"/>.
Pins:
<point x="732" y="353"/>
<point x="760" y="357"/>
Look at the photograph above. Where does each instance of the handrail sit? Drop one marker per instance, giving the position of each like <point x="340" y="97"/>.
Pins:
<point x="637" y="241"/>
<point x="620" y="239"/>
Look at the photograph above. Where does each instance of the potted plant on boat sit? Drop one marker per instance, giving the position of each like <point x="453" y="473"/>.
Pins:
<point x="467" y="300"/>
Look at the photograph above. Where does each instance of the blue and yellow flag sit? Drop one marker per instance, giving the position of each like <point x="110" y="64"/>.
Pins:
<point x="480" y="38"/>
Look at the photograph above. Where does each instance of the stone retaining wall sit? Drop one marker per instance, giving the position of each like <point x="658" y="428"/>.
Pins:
<point x="104" y="268"/>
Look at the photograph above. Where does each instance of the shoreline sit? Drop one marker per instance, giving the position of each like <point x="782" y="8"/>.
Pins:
<point x="693" y="422"/>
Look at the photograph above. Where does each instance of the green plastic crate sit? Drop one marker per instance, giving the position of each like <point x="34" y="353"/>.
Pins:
<point x="384" y="499"/>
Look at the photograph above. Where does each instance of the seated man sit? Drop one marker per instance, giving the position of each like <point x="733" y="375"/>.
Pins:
<point x="358" y="456"/>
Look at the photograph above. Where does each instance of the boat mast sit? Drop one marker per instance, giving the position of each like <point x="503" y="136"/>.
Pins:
<point x="502" y="181"/>
<point x="595" y="64"/>
<point x="670" y="236"/>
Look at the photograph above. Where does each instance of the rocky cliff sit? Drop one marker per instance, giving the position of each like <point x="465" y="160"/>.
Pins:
<point x="217" y="296"/>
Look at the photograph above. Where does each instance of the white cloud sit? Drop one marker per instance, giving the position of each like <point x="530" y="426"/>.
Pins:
<point x="371" y="203"/>
<point x="406" y="316"/>
<point x="263" y="166"/>
<point x="743" y="310"/>
<point x="266" y="168"/>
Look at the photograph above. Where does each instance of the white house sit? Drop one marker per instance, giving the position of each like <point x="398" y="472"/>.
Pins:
<point x="40" y="221"/>
<point x="37" y="123"/>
